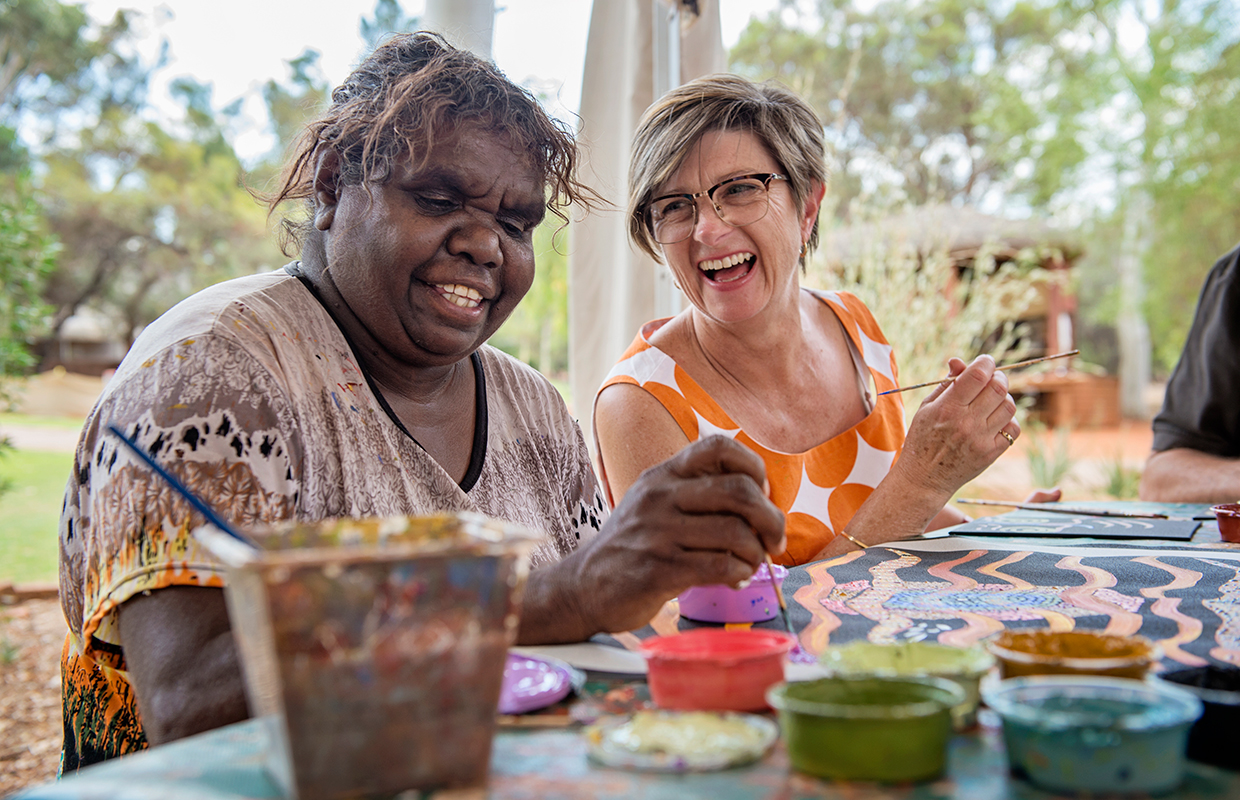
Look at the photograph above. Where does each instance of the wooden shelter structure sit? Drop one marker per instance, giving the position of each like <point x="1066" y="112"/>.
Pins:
<point x="1062" y="396"/>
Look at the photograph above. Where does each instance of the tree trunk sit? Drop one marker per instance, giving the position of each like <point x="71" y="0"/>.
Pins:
<point x="1133" y="332"/>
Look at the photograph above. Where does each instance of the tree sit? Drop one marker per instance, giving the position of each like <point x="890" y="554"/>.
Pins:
<point x="1117" y="115"/>
<point x="148" y="216"/>
<point x="51" y="58"/>
<point x="389" y="18"/>
<point x="537" y="331"/>
<point x="27" y="257"/>
<point x="942" y="100"/>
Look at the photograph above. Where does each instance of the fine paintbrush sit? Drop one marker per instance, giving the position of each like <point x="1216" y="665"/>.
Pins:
<point x="1085" y="512"/>
<point x="951" y="379"/>
<point x="181" y="489"/>
<point x="779" y="595"/>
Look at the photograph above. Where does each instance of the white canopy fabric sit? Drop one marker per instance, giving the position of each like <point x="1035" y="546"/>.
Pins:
<point x="613" y="289"/>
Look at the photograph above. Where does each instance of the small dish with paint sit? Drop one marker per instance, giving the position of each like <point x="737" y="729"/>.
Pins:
<point x="1212" y="739"/>
<point x="753" y="601"/>
<point x="713" y="669"/>
<point x="964" y="665"/>
<point x="1044" y="652"/>
<point x="680" y="741"/>
<point x="867" y="729"/>
<point x="1081" y="733"/>
<point x="1228" y="516"/>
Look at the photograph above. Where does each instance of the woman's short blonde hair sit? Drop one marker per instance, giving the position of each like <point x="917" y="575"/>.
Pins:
<point x="785" y="124"/>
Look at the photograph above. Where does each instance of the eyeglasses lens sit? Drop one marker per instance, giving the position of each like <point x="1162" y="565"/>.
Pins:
<point x="738" y="202"/>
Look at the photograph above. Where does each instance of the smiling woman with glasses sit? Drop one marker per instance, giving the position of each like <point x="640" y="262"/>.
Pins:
<point x="725" y="187"/>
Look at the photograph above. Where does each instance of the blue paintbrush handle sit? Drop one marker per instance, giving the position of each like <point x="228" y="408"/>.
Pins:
<point x="181" y="488"/>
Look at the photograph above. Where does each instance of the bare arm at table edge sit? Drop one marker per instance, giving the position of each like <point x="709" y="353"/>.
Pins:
<point x="1183" y="475"/>
<point x="699" y="517"/>
<point x="620" y="411"/>
<point x="182" y="661"/>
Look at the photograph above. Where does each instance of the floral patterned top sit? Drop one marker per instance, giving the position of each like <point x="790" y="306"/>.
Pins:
<point x="818" y="490"/>
<point x="251" y="395"/>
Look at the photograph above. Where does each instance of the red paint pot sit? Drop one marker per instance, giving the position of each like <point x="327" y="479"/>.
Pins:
<point x="1228" y="516"/>
<point x="712" y="669"/>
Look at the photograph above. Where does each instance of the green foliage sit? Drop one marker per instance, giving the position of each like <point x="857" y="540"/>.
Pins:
<point x="1122" y="482"/>
<point x="537" y="331"/>
<point x="933" y="100"/>
<point x="931" y="310"/>
<point x="31" y="514"/>
<point x="389" y="18"/>
<point x="48" y="49"/>
<point x="148" y="215"/>
<point x="1049" y="463"/>
<point x="27" y="257"/>
<point x="1043" y="105"/>
<point x="290" y="106"/>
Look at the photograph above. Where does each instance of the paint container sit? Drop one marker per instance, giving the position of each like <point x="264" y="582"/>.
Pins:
<point x="1228" y="516"/>
<point x="1043" y="652"/>
<point x="753" y="602"/>
<point x="1092" y="734"/>
<point x="964" y="665"/>
<point x="710" y="669"/>
<point x="1212" y="739"/>
<point x="867" y="729"/>
<point x="374" y="650"/>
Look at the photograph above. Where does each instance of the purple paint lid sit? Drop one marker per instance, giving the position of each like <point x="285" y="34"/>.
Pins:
<point x="754" y="602"/>
<point x="533" y="683"/>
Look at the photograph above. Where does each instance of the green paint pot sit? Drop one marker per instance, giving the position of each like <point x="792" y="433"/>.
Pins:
<point x="964" y="665"/>
<point x="867" y="729"/>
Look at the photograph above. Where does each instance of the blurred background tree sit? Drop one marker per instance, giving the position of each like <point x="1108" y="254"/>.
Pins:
<point x="1116" y="117"/>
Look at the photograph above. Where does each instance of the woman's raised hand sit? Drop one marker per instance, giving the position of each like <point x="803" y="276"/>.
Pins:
<point x="701" y="517"/>
<point x="960" y="429"/>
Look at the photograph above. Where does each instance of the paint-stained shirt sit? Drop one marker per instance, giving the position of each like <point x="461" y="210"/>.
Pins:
<point x="251" y="395"/>
<point x="820" y="489"/>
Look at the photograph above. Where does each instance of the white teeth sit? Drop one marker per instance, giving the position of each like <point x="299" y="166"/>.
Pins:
<point x="725" y="262"/>
<point x="462" y="296"/>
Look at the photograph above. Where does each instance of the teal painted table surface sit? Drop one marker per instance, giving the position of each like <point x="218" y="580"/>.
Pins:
<point x="227" y="764"/>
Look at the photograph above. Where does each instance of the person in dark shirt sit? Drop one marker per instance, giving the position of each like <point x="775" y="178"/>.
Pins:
<point x="1196" y="451"/>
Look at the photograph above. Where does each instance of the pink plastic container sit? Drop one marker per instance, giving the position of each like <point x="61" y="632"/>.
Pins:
<point x="710" y="669"/>
<point x="1228" y="516"/>
<point x="756" y="602"/>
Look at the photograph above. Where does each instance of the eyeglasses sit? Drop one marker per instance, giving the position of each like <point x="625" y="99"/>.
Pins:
<point x="743" y="200"/>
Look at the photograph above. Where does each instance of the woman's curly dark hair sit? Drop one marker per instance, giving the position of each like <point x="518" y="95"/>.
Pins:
<point x="412" y="90"/>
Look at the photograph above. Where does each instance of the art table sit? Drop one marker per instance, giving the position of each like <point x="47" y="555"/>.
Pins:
<point x="956" y="590"/>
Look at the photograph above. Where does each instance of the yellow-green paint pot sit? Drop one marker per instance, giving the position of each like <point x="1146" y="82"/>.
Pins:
<point x="964" y="665"/>
<point x="867" y="729"/>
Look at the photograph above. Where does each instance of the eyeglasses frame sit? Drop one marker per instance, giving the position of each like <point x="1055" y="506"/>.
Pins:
<point x="709" y="194"/>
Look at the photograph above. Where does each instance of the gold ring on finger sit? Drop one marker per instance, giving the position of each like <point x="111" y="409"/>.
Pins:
<point x="1011" y="439"/>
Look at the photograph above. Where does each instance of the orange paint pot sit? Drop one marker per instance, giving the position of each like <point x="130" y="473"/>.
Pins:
<point x="1045" y="652"/>
<point x="712" y="669"/>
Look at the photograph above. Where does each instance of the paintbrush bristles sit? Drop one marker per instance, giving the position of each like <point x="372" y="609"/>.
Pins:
<point x="952" y="378"/>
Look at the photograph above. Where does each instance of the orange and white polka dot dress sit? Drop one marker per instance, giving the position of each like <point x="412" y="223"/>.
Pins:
<point x="819" y="490"/>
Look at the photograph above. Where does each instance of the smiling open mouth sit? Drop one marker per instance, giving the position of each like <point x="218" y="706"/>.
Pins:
<point x="456" y="294"/>
<point x="729" y="268"/>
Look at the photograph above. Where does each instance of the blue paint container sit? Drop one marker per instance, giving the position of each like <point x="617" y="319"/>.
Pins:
<point x="1078" y="733"/>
